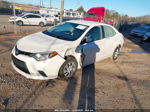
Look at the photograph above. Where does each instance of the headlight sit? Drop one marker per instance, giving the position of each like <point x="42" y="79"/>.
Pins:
<point x="43" y="56"/>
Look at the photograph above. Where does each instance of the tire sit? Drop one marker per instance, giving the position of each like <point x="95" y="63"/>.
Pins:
<point x="68" y="69"/>
<point x="116" y="53"/>
<point x="41" y="24"/>
<point x="20" y="23"/>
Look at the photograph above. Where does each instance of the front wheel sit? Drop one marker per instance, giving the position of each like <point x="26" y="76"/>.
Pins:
<point x="116" y="53"/>
<point x="68" y="69"/>
<point x="20" y="23"/>
<point x="41" y="24"/>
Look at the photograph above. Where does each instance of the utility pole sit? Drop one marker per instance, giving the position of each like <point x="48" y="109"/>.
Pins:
<point x="50" y="4"/>
<point x="40" y="3"/>
<point x="14" y="13"/>
<point x="62" y="11"/>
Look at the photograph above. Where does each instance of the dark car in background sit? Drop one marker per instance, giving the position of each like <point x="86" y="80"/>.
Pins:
<point x="8" y="11"/>
<point x="140" y="31"/>
<point x="147" y="37"/>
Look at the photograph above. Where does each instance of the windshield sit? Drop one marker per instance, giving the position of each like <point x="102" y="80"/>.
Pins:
<point x="20" y="15"/>
<point x="67" y="31"/>
<point x="91" y="15"/>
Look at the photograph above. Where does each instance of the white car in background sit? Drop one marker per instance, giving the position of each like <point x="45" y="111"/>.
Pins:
<point x="29" y="19"/>
<point x="60" y="50"/>
<point x="52" y="18"/>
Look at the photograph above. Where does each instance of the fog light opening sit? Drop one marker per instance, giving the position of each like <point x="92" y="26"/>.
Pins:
<point x="42" y="73"/>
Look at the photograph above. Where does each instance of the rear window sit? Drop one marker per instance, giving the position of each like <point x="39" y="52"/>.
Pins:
<point x="91" y="15"/>
<point x="108" y="31"/>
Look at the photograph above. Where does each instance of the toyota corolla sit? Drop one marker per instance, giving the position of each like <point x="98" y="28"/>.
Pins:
<point x="62" y="49"/>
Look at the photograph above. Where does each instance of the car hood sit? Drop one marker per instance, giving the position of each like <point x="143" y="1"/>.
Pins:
<point x="14" y="17"/>
<point x="40" y="42"/>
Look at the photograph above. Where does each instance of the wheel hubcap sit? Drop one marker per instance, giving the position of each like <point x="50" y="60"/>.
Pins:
<point x="20" y="23"/>
<point x="69" y="69"/>
<point x="116" y="54"/>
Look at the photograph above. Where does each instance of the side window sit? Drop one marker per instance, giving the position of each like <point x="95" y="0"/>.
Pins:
<point x="33" y="16"/>
<point x="27" y="16"/>
<point x="108" y="31"/>
<point x="36" y="16"/>
<point x="47" y="16"/>
<point x="95" y="33"/>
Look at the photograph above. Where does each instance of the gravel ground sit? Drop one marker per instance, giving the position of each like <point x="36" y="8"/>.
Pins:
<point x="123" y="84"/>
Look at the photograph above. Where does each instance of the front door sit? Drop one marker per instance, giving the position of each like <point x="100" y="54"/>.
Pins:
<point x="34" y="19"/>
<point x="94" y="47"/>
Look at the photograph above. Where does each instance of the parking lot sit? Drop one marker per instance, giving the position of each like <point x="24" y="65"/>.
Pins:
<point x="123" y="84"/>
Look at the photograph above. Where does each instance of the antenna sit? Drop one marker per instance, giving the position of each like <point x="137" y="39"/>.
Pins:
<point x="62" y="11"/>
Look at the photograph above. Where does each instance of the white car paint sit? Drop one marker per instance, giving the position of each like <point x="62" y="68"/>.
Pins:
<point x="51" y="19"/>
<point x="40" y="42"/>
<point x="28" y="20"/>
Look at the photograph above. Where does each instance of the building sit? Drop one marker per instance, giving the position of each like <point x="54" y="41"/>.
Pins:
<point x="47" y="11"/>
<point x="72" y="14"/>
<point x="55" y="11"/>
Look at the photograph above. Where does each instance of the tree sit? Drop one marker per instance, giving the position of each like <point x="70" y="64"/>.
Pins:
<point x="4" y="4"/>
<point x="81" y="9"/>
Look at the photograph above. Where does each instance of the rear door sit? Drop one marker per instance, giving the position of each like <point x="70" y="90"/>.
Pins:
<point x="112" y="39"/>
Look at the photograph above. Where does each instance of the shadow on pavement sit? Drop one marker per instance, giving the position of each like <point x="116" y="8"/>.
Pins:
<point x="70" y="90"/>
<point x="6" y="45"/>
<point x="5" y="33"/>
<point x="31" y="98"/>
<point x="86" y="99"/>
<point x="123" y="77"/>
<point x="87" y="89"/>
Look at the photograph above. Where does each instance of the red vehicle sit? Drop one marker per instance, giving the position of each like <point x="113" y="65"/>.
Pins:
<point x="97" y="14"/>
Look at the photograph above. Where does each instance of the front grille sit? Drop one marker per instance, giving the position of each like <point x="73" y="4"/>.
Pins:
<point x="20" y="64"/>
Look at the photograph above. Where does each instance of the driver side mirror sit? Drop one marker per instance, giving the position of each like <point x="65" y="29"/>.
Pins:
<point x="87" y="39"/>
<point x="25" y="17"/>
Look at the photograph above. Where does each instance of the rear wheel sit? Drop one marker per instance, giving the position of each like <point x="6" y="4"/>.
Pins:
<point x="68" y="69"/>
<point x="116" y="53"/>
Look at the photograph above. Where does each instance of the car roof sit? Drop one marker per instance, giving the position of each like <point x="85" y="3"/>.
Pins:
<point x="31" y="14"/>
<point x="87" y="23"/>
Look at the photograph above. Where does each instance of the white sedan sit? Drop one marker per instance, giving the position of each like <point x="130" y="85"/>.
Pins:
<point x="28" y="19"/>
<point x="62" y="49"/>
